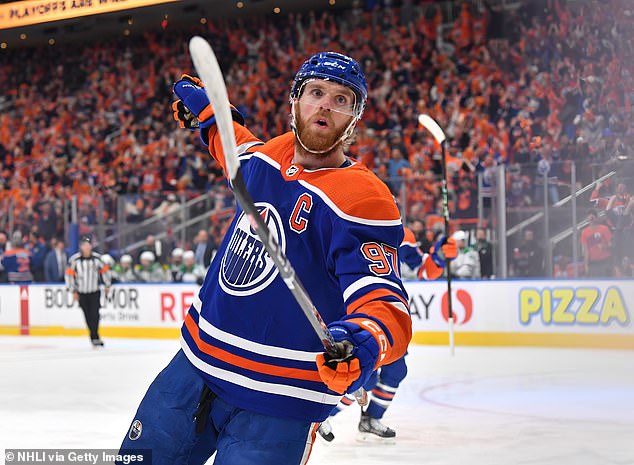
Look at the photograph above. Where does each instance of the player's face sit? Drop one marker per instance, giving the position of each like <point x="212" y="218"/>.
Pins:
<point x="323" y="112"/>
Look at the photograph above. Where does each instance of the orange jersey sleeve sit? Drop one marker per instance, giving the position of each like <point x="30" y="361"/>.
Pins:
<point x="244" y="141"/>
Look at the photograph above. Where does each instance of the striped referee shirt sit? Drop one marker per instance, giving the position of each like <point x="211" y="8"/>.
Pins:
<point x="84" y="274"/>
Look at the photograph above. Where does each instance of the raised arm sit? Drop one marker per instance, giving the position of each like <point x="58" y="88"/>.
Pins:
<point x="193" y="111"/>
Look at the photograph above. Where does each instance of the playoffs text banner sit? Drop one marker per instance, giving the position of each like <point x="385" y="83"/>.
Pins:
<point x="29" y="12"/>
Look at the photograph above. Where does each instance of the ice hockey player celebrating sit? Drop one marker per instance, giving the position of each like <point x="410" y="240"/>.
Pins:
<point x="384" y="383"/>
<point x="251" y="381"/>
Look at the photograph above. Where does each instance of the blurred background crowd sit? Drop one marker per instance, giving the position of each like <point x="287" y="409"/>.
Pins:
<point x="536" y="89"/>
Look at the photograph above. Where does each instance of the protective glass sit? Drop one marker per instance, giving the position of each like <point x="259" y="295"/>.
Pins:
<point x="314" y="93"/>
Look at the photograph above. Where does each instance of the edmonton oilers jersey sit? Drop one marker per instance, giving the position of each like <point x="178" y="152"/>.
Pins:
<point x="414" y="263"/>
<point x="341" y="230"/>
<point x="410" y="255"/>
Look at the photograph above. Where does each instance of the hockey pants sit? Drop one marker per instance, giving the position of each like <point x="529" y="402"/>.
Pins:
<point x="181" y="422"/>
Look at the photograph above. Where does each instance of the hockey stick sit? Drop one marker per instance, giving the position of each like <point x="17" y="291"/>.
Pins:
<point x="432" y="126"/>
<point x="209" y="72"/>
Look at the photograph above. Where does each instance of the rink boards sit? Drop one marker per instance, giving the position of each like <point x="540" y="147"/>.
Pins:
<point x="570" y="313"/>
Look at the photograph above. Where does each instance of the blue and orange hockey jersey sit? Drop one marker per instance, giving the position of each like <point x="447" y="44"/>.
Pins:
<point x="341" y="230"/>
<point x="17" y="263"/>
<point x="414" y="263"/>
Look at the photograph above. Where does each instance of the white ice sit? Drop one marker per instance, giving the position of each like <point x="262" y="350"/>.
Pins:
<point x="485" y="406"/>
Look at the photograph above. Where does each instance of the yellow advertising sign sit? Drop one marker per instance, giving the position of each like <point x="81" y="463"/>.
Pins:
<point x="28" y="12"/>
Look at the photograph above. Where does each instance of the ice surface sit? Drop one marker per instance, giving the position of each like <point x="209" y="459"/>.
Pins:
<point x="485" y="406"/>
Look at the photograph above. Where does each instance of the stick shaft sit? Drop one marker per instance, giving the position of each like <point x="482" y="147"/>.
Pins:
<point x="283" y="265"/>
<point x="445" y="211"/>
<point x="434" y="128"/>
<point x="451" y="337"/>
<point x="445" y="208"/>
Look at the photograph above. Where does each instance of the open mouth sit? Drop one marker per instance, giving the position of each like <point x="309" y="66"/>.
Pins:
<point x="322" y="122"/>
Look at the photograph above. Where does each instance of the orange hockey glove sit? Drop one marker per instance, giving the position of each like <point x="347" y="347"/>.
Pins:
<point x="356" y="338"/>
<point x="444" y="250"/>
<point x="338" y="376"/>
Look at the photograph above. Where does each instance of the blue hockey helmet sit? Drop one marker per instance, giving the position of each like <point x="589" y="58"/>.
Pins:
<point x="335" y="67"/>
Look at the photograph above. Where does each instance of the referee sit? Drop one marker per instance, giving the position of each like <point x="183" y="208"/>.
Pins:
<point x="85" y="272"/>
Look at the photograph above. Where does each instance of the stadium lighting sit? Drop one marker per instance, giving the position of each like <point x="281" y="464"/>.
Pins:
<point x="276" y="10"/>
<point x="3" y="45"/>
<point x="51" y="41"/>
<point x="23" y="36"/>
<point x="332" y="2"/>
<point x="240" y="4"/>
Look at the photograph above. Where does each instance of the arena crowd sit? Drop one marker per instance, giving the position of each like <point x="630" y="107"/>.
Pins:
<point x="536" y="89"/>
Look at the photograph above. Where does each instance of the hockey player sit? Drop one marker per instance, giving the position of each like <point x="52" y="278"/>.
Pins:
<point x="16" y="261"/>
<point x="384" y="382"/>
<point x="149" y="271"/>
<point x="467" y="263"/>
<point x="251" y="381"/>
<point x="190" y="271"/>
<point x="176" y="261"/>
<point x="124" y="270"/>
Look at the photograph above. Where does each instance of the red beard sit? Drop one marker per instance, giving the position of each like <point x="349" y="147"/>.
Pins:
<point x="314" y="141"/>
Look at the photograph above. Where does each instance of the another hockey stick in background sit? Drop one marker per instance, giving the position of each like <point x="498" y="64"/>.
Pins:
<point x="432" y="126"/>
<point x="209" y="72"/>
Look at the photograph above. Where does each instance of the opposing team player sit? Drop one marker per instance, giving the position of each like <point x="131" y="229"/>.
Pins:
<point x="384" y="382"/>
<point x="251" y="381"/>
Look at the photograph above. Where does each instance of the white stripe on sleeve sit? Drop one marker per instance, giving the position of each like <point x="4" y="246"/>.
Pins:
<point x="366" y="281"/>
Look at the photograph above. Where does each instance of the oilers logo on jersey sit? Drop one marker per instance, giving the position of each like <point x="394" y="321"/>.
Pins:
<point x="246" y="267"/>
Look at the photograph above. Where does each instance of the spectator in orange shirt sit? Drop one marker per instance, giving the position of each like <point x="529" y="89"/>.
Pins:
<point x="596" y="244"/>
